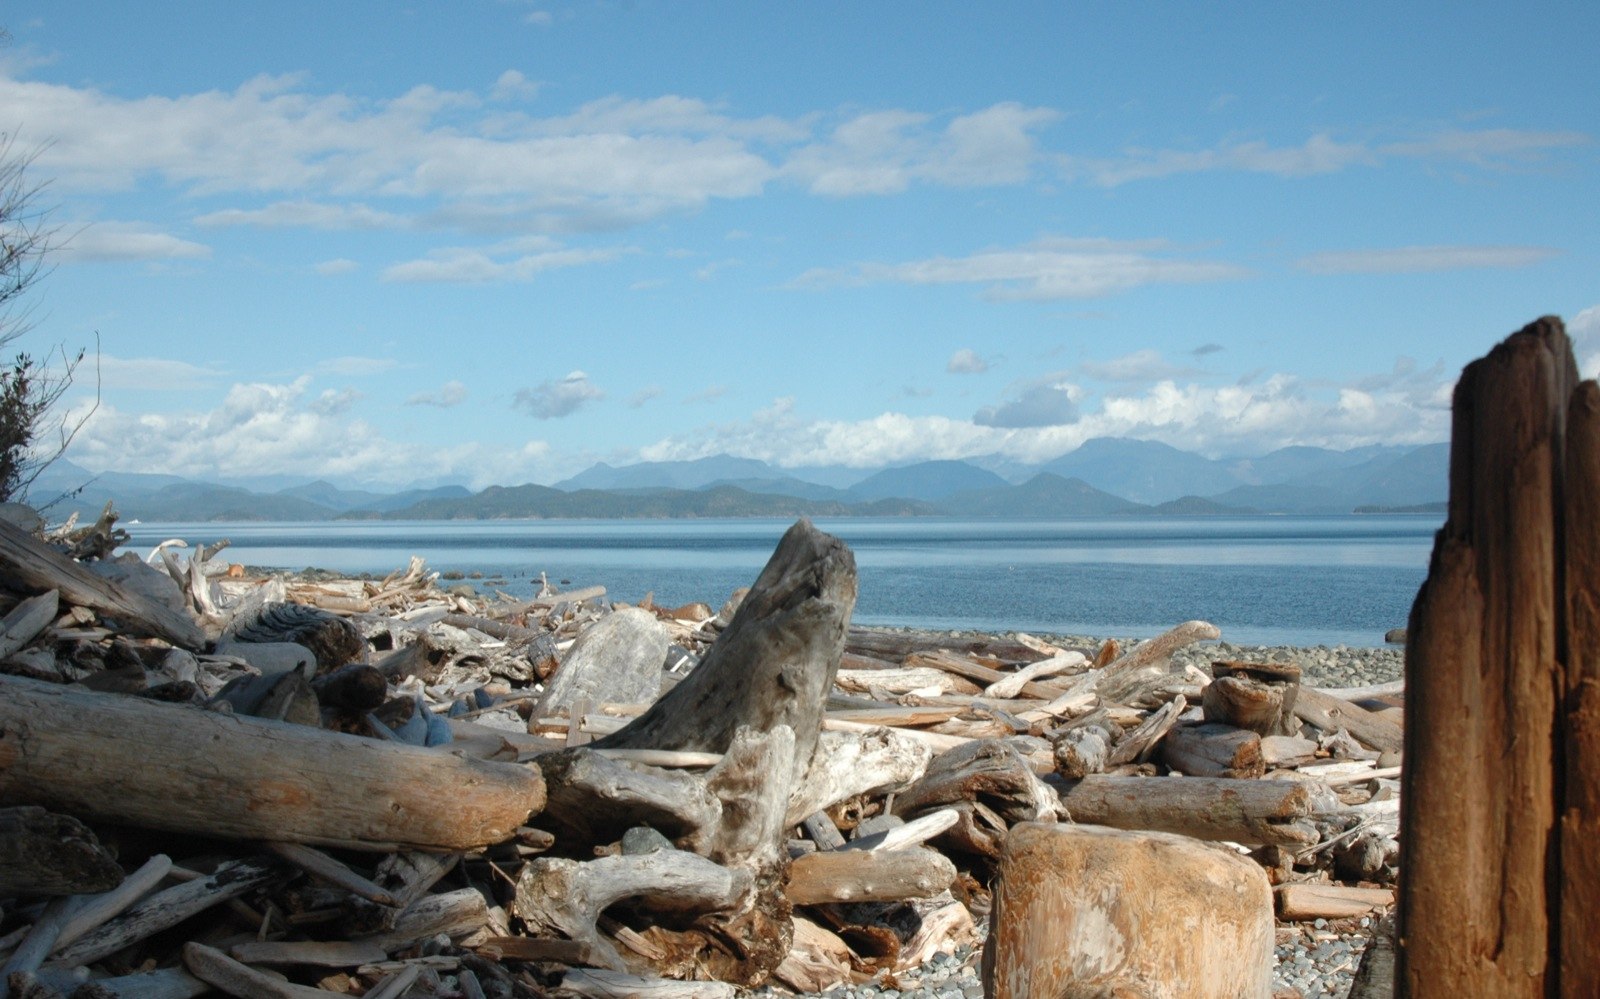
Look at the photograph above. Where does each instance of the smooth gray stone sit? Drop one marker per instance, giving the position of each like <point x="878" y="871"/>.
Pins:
<point x="269" y="657"/>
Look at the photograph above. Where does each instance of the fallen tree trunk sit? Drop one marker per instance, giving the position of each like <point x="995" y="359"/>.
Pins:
<point x="215" y="774"/>
<point x="36" y="567"/>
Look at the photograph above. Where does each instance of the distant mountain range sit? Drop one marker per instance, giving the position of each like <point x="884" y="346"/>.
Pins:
<point x="1104" y="477"/>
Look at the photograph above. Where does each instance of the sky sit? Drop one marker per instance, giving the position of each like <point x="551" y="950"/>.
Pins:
<point x="495" y="241"/>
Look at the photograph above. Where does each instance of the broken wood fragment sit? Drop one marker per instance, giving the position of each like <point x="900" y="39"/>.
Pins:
<point x="165" y="909"/>
<point x="868" y="876"/>
<point x="1329" y="901"/>
<point x="1214" y="750"/>
<point x="227" y="975"/>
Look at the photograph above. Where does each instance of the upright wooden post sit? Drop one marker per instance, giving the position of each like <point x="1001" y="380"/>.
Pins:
<point x="1501" y="806"/>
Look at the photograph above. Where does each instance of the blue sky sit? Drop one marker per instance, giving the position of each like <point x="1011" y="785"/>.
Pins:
<point x="495" y="242"/>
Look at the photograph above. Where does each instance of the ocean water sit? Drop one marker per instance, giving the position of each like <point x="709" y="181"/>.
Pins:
<point x="1262" y="580"/>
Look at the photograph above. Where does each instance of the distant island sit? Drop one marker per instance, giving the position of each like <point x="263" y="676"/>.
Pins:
<point x="1104" y="477"/>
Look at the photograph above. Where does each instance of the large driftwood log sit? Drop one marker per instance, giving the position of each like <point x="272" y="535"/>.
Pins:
<point x="32" y="565"/>
<point x="775" y="663"/>
<point x="42" y="853"/>
<point x="1501" y="795"/>
<point x="1252" y="812"/>
<point x="203" y="772"/>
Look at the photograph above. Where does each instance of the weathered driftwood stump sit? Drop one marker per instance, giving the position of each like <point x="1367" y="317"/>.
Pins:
<point x="1501" y="799"/>
<point x="716" y="906"/>
<point x="1090" y="911"/>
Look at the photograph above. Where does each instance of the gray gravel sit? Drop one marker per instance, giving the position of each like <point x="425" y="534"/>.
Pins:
<point x="1316" y="959"/>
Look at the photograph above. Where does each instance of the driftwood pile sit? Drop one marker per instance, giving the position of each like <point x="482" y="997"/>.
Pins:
<point x="282" y="787"/>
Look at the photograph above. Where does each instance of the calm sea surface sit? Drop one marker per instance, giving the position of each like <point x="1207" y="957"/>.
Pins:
<point x="1266" y="580"/>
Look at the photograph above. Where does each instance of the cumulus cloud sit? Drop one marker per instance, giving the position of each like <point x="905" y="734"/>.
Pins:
<point x="1269" y="412"/>
<point x="452" y="393"/>
<point x="1046" y="269"/>
<point x="1413" y="259"/>
<point x="551" y="399"/>
<point x="966" y="362"/>
<point x="644" y="395"/>
<point x="289" y="429"/>
<point x="337" y="266"/>
<point x="101" y="242"/>
<point x="1051" y="403"/>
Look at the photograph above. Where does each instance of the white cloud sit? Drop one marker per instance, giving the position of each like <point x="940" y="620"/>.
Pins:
<point x="552" y="399"/>
<point x="710" y="393"/>
<point x="292" y="430"/>
<point x="306" y="214"/>
<point x="513" y="86"/>
<point x="1322" y="154"/>
<point x="1140" y="366"/>
<point x="1267" y="413"/>
<point x="1043" y="270"/>
<point x="966" y="362"/>
<point x="468" y="265"/>
<point x="351" y="365"/>
<point x="644" y="395"/>
<point x="121" y="241"/>
<point x="337" y="266"/>
<point x="884" y="152"/>
<point x="1415" y="259"/>
<point x="452" y="393"/>
<point x="1049" y="402"/>
<point x="155" y="373"/>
